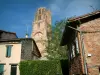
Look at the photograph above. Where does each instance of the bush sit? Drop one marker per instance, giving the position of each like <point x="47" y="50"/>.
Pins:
<point x="40" y="67"/>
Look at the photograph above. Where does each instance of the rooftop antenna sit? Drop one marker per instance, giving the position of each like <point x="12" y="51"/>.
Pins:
<point x="92" y="8"/>
<point x="26" y="35"/>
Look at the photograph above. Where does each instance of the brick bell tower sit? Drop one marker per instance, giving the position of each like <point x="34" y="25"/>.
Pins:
<point x="41" y="28"/>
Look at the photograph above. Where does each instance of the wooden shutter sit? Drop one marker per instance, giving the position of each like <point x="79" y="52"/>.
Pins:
<point x="9" y="51"/>
<point x="8" y="54"/>
<point x="1" y="69"/>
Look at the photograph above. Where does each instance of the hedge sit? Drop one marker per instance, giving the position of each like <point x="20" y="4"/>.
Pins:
<point x="40" y="67"/>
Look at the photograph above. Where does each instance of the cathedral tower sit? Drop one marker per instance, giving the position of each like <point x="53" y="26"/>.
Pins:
<point x="41" y="28"/>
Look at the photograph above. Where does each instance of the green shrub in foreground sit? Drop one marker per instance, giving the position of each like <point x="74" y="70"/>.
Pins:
<point x="40" y="67"/>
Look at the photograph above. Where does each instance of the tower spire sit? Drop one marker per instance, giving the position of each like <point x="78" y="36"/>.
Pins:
<point x="26" y="35"/>
<point x="40" y="29"/>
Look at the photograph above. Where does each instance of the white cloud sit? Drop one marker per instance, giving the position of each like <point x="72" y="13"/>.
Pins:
<point x="70" y="8"/>
<point x="57" y="7"/>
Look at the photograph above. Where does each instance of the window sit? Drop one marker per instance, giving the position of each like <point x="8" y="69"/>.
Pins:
<point x="73" y="50"/>
<point x="39" y="11"/>
<point x="1" y="69"/>
<point x="8" y="50"/>
<point x="42" y="10"/>
<point x="77" y="46"/>
<point x="39" y="17"/>
<point x="13" y="69"/>
<point x="38" y="25"/>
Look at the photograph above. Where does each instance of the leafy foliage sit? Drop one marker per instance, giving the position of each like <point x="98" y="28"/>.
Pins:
<point x="40" y="67"/>
<point x="53" y="48"/>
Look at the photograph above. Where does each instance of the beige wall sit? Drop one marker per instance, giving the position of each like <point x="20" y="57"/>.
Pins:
<point x="14" y="59"/>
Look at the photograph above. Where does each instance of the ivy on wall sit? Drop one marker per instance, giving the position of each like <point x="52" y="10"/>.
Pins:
<point x="40" y="67"/>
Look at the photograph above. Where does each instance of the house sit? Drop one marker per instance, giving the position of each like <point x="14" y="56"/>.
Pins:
<point x="82" y="36"/>
<point x="12" y="51"/>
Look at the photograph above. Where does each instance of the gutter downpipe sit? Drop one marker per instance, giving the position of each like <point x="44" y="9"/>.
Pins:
<point x="83" y="53"/>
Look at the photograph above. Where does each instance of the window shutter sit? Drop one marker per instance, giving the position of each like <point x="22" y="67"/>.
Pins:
<point x="9" y="51"/>
<point x="1" y="68"/>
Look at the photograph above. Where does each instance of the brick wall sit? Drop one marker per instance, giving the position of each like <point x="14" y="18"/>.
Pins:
<point x="76" y="66"/>
<point x="91" y="42"/>
<point x="76" y="63"/>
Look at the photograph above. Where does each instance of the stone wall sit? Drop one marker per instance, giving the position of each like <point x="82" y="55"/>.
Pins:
<point x="26" y="52"/>
<point x="29" y="50"/>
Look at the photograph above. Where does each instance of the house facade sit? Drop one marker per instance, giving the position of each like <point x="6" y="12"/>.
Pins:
<point x="82" y="36"/>
<point x="10" y="56"/>
<point x="12" y="51"/>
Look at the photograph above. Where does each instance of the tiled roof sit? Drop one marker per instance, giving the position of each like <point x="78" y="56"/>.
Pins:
<point x="73" y="22"/>
<point x="7" y="32"/>
<point x="85" y="16"/>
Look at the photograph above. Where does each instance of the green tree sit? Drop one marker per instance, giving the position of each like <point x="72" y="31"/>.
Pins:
<point x="53" y="48"/>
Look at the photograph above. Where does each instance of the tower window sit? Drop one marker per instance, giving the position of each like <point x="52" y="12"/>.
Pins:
<point x="39" y="17"/>
<point x="38" y="25"/>
<point x="39" y="11"/>
<point x="43" y="10"/>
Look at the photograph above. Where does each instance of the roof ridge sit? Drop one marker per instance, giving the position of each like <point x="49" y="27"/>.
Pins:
<point x="84" y="16"/>
<point x="8" y="31"/>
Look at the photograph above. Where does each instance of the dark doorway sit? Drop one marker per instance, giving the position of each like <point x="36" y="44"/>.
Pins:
<point x="64" y="66"/>
<point x="13" y="69"/>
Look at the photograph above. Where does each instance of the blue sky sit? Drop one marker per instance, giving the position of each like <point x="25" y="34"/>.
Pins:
<point x="15" y="14"/>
